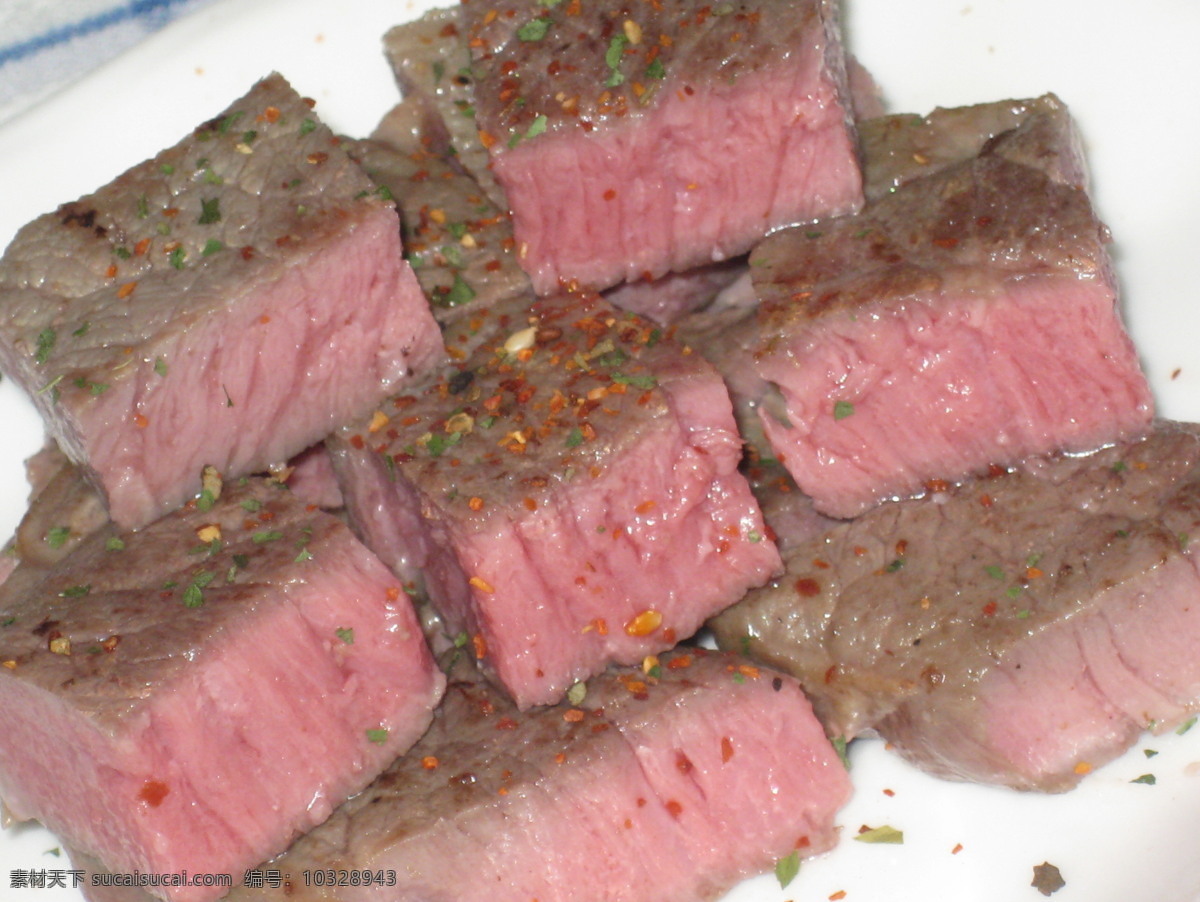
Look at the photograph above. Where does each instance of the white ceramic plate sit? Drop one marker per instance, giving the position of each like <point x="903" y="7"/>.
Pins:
<point x="1133" y="82"/>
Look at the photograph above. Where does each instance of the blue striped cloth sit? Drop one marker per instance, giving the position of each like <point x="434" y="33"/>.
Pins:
<point x="47" y="44"/>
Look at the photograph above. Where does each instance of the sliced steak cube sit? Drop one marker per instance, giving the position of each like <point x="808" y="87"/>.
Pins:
<point x="675" y="295"/>
<point x="432" y="65"/>
<point x="570" y="496"/>
<point x="1020" y="629"/>
<point x="227" y="303"/>
<point x="968" y="319"/>
<point x="663" y="787"/>
<point x="1038" y="132"/>
<point x="458" y="242"/>
<point x="675" y="137"/>
<point x="194" y="695"/>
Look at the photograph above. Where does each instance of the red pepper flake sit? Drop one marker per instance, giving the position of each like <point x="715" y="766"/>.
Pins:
<point x="111" y="272"/>
<point x="839" y="895"/>
<point x="530" y="504"/>
<point x="141" y="247"/>
<point x="429" y="762"/>
<point x="958" y="847"/>
<point x="820" y="564"/>
<point x="945" y="242"/>
<point x="140" y="421"/>
<point x="645" y="507"/>
<point x="248" y="252"/>
<point x="573" y="715"/>
<point x="126" y="290"/>
<point x="475" y="503"/>
<point x="481" y="584"/>
<point x="889" y="793"/>
<point x="479" y="645"/>
<point x="674" y="808"/>
<point x="680" y="662"/>
<point x="683" y="763"/>
<point x="807" y="587"/>
<point x="317" y="157"/>
<point x="356" y="441"/>
<point x="986" y="500"/>
<point x="859" y="551"/>
<point x="989" y="609"/>
<point x="506" y="723"/>
<point x="486" y="139"/>
<point x="937" y="485"/>
<point x="560" y="758"/>
<point x="110" y="644"/>
<point x="610" y="194"/>
<point x="153" y="792"/>
<point x="726" y="749"/>
<point x="393" y="593"/>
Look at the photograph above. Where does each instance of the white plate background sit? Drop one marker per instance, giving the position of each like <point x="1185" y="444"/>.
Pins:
<point x="1130" y="73"/>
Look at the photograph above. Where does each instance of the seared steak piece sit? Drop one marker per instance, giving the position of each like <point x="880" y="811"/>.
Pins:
<point x="665" y="786"/>
<point x="1038" y="132"/>
<point x="1021" y="629"/>
<point x="570" y="494"/>
<point x="226" y="303"/>
<point x="432" y="65"/>
<point x="196" y="694"/>
<point x="64" y="508"/>
<point x="675" y="295"/>
<point x="459" y="243"/>
<point x="678" y="134"/>
<point x="967" y="319"/>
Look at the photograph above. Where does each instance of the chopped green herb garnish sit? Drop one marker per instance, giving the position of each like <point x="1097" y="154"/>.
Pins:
<point x="534" y="29"/>
<point x="249" y="136"/>
<point x="1148" y="779"/>
<point x="56" y="536"/>
<point x="143" y="206"/>
<point x="260" y="538"/>
<point x="438" y="443"/>
<point x="211" y="246"/>
<point x="884" y="834"/>
<point x="252" y="505"/>
<point x="895" y="565"/>
<point x="177" y="257"/>
<point x="206" y="500"/>
<point x="160" y="366"/>
<point x="210" y="211"/>
<point x="842" y="409"/>
<point x="228" y="121"/>
<point x="655" y="69"/>
<point x="307" y="126"/>
<point x="1186" y="725"/>
<point x="304" y="555"/>
<point x="994" y="572"/>
<point x="1149" y="753"/>
<point x="378" y="736"/>
<point x="75" y="591"/>
<point x="575" y="437"/>
<point x="123" y="253"/>
<point x="841" y="747"/>
<point x="114" y="544"/>
<point x="612" y="58"/>
<point x="459" y="293"/>
<point x="45" y="344"/>
<point x="345" y="633"/>
<point x="787" y="867"/>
